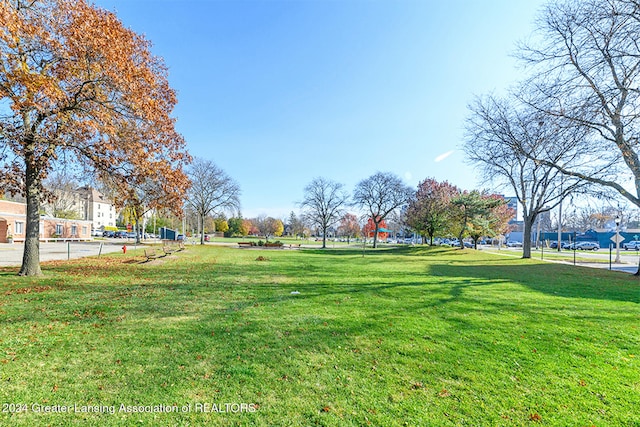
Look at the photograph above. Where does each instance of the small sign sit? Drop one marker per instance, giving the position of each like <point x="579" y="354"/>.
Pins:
<point x="616" y="238"/>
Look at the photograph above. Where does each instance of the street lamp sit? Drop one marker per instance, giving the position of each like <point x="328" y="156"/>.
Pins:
<point x="617" y="239"/>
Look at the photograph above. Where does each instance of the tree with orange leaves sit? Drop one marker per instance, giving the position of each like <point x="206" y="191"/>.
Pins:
<point x="371" y="226"/>
<point x="76" y="85"/>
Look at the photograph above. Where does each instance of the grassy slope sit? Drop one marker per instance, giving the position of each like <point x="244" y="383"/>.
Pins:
<point x="415" y="336"/>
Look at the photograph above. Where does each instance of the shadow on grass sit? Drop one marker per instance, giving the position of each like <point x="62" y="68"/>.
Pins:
<point x="421" y="250"/>
<point x="552" y="279"/>
<point x="326" y="275"/>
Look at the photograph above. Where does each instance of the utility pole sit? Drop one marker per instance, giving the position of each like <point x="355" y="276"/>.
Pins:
<point x="560" y="226"/>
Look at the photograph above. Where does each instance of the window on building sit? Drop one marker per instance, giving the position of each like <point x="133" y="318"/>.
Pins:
<point x="74" y="230"/>
<point x="84" y="231"/>
<point x="59" y="229"/>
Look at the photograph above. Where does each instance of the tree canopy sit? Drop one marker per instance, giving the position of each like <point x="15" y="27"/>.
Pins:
<point x="585" y="64"/>
<point x="323" y="204"/>
<point x="76" y="85"/>
<point x="211" y="191"/>
<point x="429" y="207"/>
<point x="379" y="195"/>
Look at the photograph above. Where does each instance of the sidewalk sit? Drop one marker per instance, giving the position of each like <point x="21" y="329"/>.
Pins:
<point x="11" y="254"/>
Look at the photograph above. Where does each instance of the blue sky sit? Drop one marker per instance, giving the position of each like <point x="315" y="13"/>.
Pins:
<point x="280" y="92"/>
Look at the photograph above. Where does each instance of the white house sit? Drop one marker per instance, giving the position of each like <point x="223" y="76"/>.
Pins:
<point x="97" y="208"/>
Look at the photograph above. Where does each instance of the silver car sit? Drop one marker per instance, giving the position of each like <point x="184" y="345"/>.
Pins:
<point x="588" y="246"/>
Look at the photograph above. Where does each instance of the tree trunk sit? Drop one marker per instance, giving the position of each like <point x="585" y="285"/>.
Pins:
<point x="375" y="236"/>
<point x="137" y="228"/>
<point x="201" y="229"/>
<point x="526" y="237"/>
<point x="324" y="237"/>
<point x="31" y="255"/>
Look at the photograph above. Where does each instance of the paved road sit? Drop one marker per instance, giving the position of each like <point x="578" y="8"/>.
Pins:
<point x="629" y="259"/>
<point x="11" y="255"/>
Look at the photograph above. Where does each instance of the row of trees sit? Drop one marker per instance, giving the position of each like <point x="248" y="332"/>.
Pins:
<point x="441" y="209"/>
<point x="433" y="209"/>
<point x="377" y="196"/>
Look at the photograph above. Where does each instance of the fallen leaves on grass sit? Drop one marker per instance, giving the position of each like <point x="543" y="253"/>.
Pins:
<point x="262" y="258"/>
<point x="535" y="417"/>
<point x="444" y="393"/>
<point x="34" y="289"/>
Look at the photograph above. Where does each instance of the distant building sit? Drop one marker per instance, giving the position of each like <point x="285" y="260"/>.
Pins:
<point x="83" y="203"/>
<point x="97" y="208"/>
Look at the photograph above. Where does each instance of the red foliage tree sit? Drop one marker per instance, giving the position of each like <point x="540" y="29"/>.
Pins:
<point x="370" y="229"/>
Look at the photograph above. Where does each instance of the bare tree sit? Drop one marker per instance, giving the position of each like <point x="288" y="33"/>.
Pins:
<point x="504" y="137"/>
<point x="586" y="72"/>
<point x="63" y="201"/>
<point x="322" y="204"/>
<point x="212" y="191"/>
<point x="381" y="194"/>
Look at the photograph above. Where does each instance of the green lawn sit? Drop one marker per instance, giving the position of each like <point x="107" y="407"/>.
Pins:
<point x="401" y="336"/>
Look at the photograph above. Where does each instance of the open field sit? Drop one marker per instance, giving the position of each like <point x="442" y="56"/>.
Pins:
<point x="401" y="336"/>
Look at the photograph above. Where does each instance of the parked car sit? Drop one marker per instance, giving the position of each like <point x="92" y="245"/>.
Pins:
<point x="634" y="244"/>
<point x="468" y="244"/>
<point x="180" y="237"/>
<point x="96" y="233"/>
<point x="120" y="234"/>
<point x="588" y="246"/>
<point x="514" y="244"/>
<point x="108" y="233"/>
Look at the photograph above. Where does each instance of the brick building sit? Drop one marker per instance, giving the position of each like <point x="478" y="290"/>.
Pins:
<point x="13" y="219"/>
